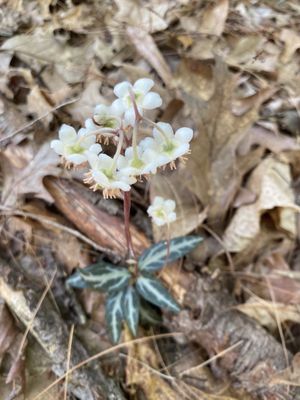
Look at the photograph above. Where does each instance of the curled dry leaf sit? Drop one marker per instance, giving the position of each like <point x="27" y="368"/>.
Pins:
<point x="24" y="174"/>
<point x="268" y="313"/>
<point x="270" y="181"/>
<point x="213" y="172"/>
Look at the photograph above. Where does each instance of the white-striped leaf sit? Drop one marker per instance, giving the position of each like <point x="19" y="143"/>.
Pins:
<point x="153" y="291"/>
<point x="131" y="305"/>
<point x="76" y="281"/>
<point x="105" y="277"/>
<point x="154" y="258"/>
<point x="114" y="315"/>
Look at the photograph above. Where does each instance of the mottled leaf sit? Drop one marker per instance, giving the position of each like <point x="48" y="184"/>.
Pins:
<point x="131" y="305"/>
<point x="104" y="276"/>
<point x="157" y="256"/>
<point x="114" y="315"/>
<point x="154" y="292"/>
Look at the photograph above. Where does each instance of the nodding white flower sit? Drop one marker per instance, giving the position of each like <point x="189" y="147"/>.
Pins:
<point x="143" y="97"/>
<point x="162" y="211"/>
<point x="103" y="175"/>
<point x="168" y="145"/>
<point x="141" y="162"/>
<point x="75" y="147"/>
<point x="107" y="116"/>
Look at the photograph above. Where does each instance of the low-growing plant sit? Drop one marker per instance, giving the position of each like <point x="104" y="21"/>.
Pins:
<point x="128" y="287"/>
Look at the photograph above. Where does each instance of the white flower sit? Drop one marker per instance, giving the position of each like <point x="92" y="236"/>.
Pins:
<point x="143" y="97"/>
<point x="75" y="147"/>
<point x="103" y="175"/>
<point x="162" y="211"/>
<point x="107" y="116"/>
<point x="168" y="145"/>
<point x="143" y="162"/>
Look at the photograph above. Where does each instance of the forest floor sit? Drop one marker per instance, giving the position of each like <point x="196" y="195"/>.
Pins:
<point x="228" y="69"/>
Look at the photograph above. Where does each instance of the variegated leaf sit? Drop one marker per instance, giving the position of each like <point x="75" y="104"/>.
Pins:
<point x="106" y="277"/>
<point x="114" y="315"/>
<point x="76" y="281"/>
<point x="157" y="256"/>
<point x="153" y="291"/>
<point x="131" y="305"/>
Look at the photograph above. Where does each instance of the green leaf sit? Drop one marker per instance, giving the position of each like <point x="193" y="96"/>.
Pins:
<point x="114" y="315"/>
<point x="105" y="277"/>
<point x="153" y="291"/>
<point x="131" y="305"/>
<point x="157" y="256"/>
<point x="149" y="314"/>
<point x="76" y="281"/>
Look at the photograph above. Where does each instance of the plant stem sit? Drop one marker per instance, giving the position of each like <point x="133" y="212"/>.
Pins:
<point x="127" y="206"/>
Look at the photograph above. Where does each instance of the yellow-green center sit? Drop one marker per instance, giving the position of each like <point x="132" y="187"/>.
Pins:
<point x="76" y="149"/>
<point x="169" y="147"/>
<point x="137" y="163"/>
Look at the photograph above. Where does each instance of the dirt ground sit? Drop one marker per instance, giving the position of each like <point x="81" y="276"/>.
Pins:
<point x="228" y="69"/>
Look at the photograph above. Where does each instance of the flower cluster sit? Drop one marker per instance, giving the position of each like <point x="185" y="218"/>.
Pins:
<point x="120" y="122"/>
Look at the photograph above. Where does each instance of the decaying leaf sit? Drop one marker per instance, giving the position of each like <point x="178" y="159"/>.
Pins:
<point x="270" y="181"/>
<point x="24" y="174"/>
<point x="270" y="314"/>
<point x="213" y="172"/>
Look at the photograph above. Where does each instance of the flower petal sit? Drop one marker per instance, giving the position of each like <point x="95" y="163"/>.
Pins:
<point x="76" y="158"/>
<point x="105" y="161"/>
<point x="129" y="116"/>
<point x="100" y="178"/>
<point x="169" y="205"/>
<point x="95" y="148"/>
<point x="122" y="88"/>
<point x="101" y="109"/>
<point x="166" y="128"/>
<point x="67" y="134"/>
<point x="143" y="85"/>
<point x="184" y="135"/>
<point x="151" y="100"/>
<point x="57" y="146"/>
<point x="117" y="107"/>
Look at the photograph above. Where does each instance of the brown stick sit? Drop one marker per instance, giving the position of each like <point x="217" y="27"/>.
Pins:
<point x="104" y="229"/>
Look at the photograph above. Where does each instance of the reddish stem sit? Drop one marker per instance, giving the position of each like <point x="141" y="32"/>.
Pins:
<point x="127" y="206"/>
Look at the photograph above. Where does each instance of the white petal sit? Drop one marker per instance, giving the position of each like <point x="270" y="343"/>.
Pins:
<point x="100" y="178"/>
<point x="166" y="128"/>
<point x="76" y="158"/>
<point x="159" y="221"/>
<point x="172" y="217"/>
<point x="118" y="107"/>
<point x="129" y="116"/>
<point x="101" y="109"/>
<point x="180" y="151"/>
<point x="120" y="185"/>
<point x="151" y="100"/>
<point x="158" y="201"/>
<point x="89" y="124"/>
<point x="67" y="134"/>
<point x="184" y="135"/>
<point x="95" y="148"/>
<point x="129" y="152"/>
<point x="93" y="159"/>
<point x="122" y="88"/>
<point x="57" y="146"/>
<point x="143" y="85"/>
<point x="105" y="161"/>
<point x="169" y="205"/>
